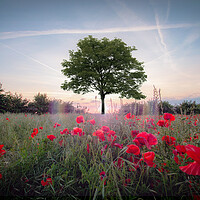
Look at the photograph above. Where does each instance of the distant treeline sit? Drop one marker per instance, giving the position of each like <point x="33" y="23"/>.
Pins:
<point x="158" y="108"/>
<point x="14" y="103"/>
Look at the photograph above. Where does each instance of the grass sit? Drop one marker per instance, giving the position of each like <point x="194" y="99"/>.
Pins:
<point x="75" y="173"/>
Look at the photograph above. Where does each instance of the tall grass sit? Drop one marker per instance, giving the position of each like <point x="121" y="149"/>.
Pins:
<point x="75" y="170"/>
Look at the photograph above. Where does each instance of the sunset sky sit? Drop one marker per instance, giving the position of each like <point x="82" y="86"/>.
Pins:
<point x="35" y="37"/>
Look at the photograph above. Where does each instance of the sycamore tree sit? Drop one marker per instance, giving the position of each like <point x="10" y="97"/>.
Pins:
<point x="106" y="66"/>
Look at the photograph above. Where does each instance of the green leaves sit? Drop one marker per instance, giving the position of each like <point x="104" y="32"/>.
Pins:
<point x="103" y="65"/>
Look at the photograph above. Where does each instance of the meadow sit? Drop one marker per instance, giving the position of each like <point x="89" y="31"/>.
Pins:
<point x="100" y="156"/>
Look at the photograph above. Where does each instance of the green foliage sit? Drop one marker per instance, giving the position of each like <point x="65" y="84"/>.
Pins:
<point x="166" y="107"/>
<point x="188" y="107"/>
<point x="106" y="66"/>
<point x="75" y="173"/>
<point x="41" y="104"/>
<point x="152" y="108"/>
<point x="12" y="103"/>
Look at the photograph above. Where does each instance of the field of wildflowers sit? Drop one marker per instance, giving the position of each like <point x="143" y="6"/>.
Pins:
<point x="94" y="156"/>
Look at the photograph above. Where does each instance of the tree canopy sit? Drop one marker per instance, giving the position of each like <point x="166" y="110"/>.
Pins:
<point x="106" y="66"/>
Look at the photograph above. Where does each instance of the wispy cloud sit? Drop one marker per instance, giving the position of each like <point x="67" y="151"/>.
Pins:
<point x="29" y="57"/>
<point x="160" y="33"/>
<point x="18" y="34"/>
<point x="168" y="10"/>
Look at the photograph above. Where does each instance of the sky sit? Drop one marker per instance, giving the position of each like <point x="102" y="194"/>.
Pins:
<point x="35" y="37"/>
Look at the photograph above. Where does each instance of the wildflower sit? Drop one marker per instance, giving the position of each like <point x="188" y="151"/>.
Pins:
<point x="2" y="152"/>
<point x="56" y="125"/>
<point x="41" y="128"/>
<point x="7" y="119"/>
<point x="168" y="116"/>
<point x="61" y="142"/>
<point x="169" y="140"/>
<point x="80" y="119"/>
<point x="148" y="157"/>
<point x="99" y="133"/>
<point x="35" y="130"/>
<point x="118" y="145"/>
<point x="103" y="176"/>
<point x="77" y="131"/>
<point x="145" y="138"/>
<point x="88" y="148"/>
<point x="162" y="123"/>
<point x="111" y="132"/>
<point x="0" y="176"/>
<point x="92" y="121"/>
<point x="134" y="133"/>
<point x="65" y="131"/>
<point x="194" y="167"/>
<point x="51" y="137"/>
<point x="129" y="116"/>
<point x="133" y="149"/>
<point x="105" y="129"/>
<point x="47" y="182"/>
<point x="180" y="150"/>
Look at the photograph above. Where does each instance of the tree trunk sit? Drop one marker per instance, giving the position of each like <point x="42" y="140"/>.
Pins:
<point x="102" y="104"/>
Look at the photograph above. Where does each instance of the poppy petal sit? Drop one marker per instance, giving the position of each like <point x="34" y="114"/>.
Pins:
<point x="191" y="169"/>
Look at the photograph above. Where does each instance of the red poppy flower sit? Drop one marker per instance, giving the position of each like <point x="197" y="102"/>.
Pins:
<point x="118" y="145"/>
<point x="194" y="153"/>
<point x="80" y="119"/>
<point x="133" y="149"/>
<point x="35" y="130"/>
<point x="92" y="121"/>
<point x="169" y="140"/>
<point x="41" y="128"/>
<point x="47" y="182"/>
<point x="111" y="132"/>
<point x="99" y="133"/>
<point x="77" y="131"/>
<point x="0" y="176"/>
<point x="56" y="125"/>
<point x="134" y="133"/>
<point x="129" y="116"/>
<point x="88" y="148"/>
<point x="61" y="142"/>
<point x="105" y="129"/>
<point x="103" y="176"/>
<point x="148" y="157"/>
<point x="168" y="116"/>
<point x="181" y="149"/>
<point x="163" y="123"/>
<point x="65" y="131"/>
<point x="7" y="119"/>
<point x="145" y="138"/>
<point x="51" y="137"/>
<point x="2" y="152"/>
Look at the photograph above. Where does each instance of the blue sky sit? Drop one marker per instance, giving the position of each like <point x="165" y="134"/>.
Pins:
<point x="35" y="37"/>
